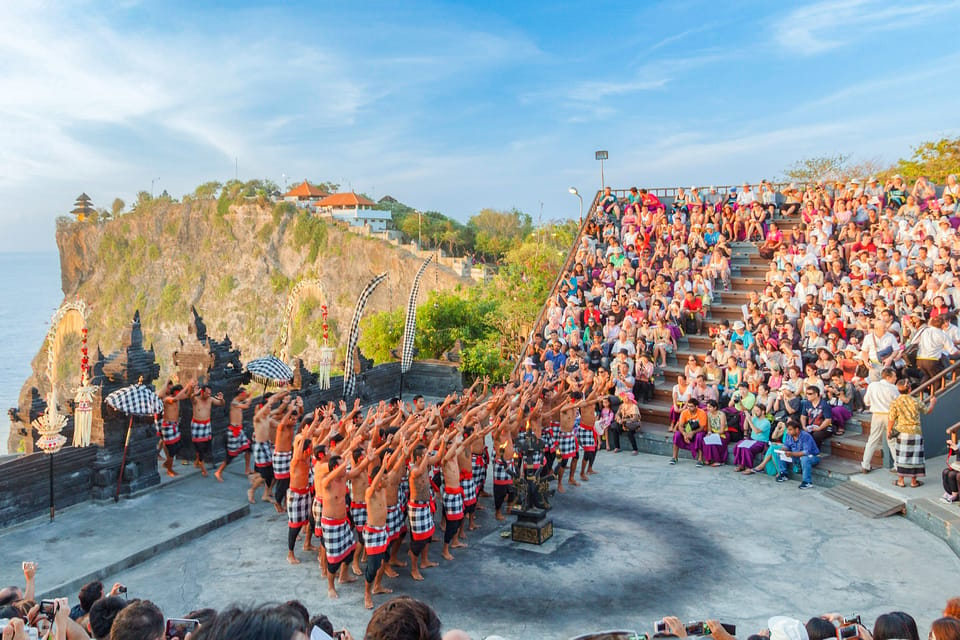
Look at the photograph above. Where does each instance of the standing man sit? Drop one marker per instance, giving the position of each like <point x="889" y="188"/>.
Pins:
<point x="263" y="450"/>
<point x="283" y="450"/>
<point x="200" y="430"/>
<point x="421" y="517"/>
<point x="171" y="394"/>
<point x="237" y="441"/>
<point x="878" y="397"/>
<point x="376" y="534"/>
<point x="339" y="542"/>
<point x="299" y="500"/>
<point x="799" y="445"/>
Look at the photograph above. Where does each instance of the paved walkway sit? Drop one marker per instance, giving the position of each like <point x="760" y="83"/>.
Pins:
<point x="641" y="540"/>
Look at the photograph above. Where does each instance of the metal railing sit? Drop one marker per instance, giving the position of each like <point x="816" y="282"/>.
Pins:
<point x="567" y="265"/>
<point x="938" y="384"/>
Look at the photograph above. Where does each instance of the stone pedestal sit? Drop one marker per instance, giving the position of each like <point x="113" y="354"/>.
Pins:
<point x="532" y="526"/>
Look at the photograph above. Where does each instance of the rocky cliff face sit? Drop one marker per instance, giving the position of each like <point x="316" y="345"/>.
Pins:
<point x="237" y="266"/>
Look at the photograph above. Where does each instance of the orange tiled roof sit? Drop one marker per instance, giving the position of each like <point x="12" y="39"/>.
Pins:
<point x="349" y="199"/>
<point x="305" y="190"/>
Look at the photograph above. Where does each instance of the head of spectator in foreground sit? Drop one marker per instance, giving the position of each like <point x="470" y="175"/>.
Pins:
<point x="895" y="625"/>
<point x="102" y="614"/>
<point x="403" y="618"/>
<point x="89" y="593"/>
<point x="820" y="629"/>
<point x="282" y="622"/>
<point x="140" y="620"/>
<point x="945" y="629"/>
<point x="784" y="628"/>
<point x="952" y="610"/>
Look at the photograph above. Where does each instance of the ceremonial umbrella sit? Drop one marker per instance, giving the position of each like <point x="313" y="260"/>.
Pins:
<point x="270" y="370"/>
<point x="135" y="400"/>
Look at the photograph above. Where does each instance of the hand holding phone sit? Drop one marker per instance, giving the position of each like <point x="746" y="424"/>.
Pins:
<point x="178" y="628"/>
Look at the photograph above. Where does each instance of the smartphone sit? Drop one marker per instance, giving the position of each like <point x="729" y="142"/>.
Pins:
<point x="178" y="628"/>
<point x="48" y="609"/>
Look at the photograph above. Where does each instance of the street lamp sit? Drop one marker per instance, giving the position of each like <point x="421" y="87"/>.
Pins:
<point x="601" y="156"/>
<point x="419" y="241"/>
<point x="574" y="191"/>
<point x="157" y="179"/>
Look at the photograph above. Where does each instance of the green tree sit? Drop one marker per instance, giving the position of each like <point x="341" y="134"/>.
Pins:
<point x="144" y="201"/>
<point x="208" y="190"/>
<point x="818" y="168"/>
<point x="496" y="232"/>
<point x="935" y="160"/>
<point x="381" y="332"/>
<point x="117" y="207"/>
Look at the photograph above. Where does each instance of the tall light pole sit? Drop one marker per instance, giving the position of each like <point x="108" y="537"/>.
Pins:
<point x="419" y="232"/>
<point x="574" y="191"/>
<point x="601" y="156"/>
<point x="157" y="179"/>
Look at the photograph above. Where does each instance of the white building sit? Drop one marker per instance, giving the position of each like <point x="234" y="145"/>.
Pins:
<point x="355" y="210"/>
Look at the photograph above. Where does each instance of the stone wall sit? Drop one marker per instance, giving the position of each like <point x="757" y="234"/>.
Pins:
<point x="25" y="483"/>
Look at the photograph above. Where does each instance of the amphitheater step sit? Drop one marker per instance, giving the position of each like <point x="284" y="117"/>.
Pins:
<point x="865" y="500"/>
<point x="851" y="446"/>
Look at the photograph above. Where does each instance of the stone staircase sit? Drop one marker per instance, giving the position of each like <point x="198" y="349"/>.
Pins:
<point x="841" y="454"/>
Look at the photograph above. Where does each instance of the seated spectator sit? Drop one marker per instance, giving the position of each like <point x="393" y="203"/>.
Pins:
<point x="799" y="446"/>
<point x="102" y="614"/>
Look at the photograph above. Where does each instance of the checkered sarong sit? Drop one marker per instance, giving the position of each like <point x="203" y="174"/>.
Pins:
<point x="201" y="431"/>
<point x="338" y="539"/>
<point x="478" y="464"/>
<point x="421" y="520"/>
<point x="358" y="513"/>
<point x="403" y="493"/>
<point x="502" y="472"/>
<point x="375" y="539"/>
<point x="298" y="507"/>
<point x="237" y="441"/>
<point x="317" y="512"/>
<point x="910" y="457"/>
<point x="170" y="432"/>
<point x="281" y="464"/>
<point x="568" y="445"/>
<point x="551" y="436"/>
<point x="469" y="486"/>
<point x="262" y="454"/>
<point x="396" y="522"/>
<point x="453" y="503"/>
<point x="587" y="438"/>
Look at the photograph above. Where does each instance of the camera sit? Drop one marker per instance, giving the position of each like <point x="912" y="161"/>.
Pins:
<point x="847" y="631"/>
<point x="48" y="609"/>
<point x="178" y="628"/>
<point x="694" y="628"/>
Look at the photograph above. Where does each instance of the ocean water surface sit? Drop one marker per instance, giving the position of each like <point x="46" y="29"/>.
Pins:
<point x="29" y="295"/>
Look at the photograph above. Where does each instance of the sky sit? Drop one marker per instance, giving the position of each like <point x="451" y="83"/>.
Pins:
<point x="454" y="106"/>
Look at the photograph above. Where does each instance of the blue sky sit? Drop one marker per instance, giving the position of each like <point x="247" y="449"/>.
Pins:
<point x="454" y="106"/>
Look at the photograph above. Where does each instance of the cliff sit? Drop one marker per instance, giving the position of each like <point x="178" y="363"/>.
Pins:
<point x="237" y="266"/>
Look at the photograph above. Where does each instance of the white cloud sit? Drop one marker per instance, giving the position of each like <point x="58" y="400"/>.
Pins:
<point x="830" y="24"/>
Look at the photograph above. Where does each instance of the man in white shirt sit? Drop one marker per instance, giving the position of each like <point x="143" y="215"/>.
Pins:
<point x="880" y="349"/>
<point x="878" y="396"/>
<point x="932" y="343"/>
<point x="746" y="197"/>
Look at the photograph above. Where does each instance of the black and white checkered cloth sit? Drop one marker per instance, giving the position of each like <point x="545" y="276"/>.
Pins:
<point x="338" y="539"/>
<point x="237" y="441"/>
<point x="396" y="521"/>
<point x="262" y="454"/>
<point x="298" y="507"/>
<point x="587" y="438"/>
<point x="502" y="472"/>
<point x="269" y="370"/>
<point x="349" y="375"/>
<point x="421" y="520"/>
<point x="568" y="445"/>
<point x="469" y="486"/>
<point x="403" y="493"/>
<point x="317" y="512"/>
<point x="358" y="513"/>
<point x="375" y="539"/>
<point x="453" y="503"/>
<point x="478" y="464"/>
<point x="281" y="464"/>
<point x="550" y="436"/>
<point x="201" y="431"/>
<point x="170" y="432"/>
<point x="910" y="456"/>
<point x="136" y="400"/>
<point x="410" y="325"/>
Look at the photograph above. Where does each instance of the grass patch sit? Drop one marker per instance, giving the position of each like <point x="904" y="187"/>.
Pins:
<point x="309" y="231"/>
<point x="279" y="282"/>
<point x="226" y="285"/>
<point x="169" y="301"/>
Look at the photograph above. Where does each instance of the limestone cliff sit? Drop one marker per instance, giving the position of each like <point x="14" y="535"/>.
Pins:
<point x="236" y="265"/>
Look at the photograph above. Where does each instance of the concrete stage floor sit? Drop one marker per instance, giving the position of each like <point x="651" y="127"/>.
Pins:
<point x="641" y="540"/>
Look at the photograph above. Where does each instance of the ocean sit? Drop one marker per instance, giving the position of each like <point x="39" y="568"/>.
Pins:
<point x="30" y="289"/>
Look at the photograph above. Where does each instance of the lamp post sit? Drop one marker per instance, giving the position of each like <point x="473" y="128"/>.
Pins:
<point x="157" y="179"/>
<point x="601" y="156"/>
<point x="419" y="232"/>
<point x="574" y="191"/>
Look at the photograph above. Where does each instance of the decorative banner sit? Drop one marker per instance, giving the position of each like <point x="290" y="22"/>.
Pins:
<point x="83" y="414"/>
<point x="349" y="377"/>
<point x="326" y="354"/>
<point x="302" y="288"/>
<point x="410" y="326"/>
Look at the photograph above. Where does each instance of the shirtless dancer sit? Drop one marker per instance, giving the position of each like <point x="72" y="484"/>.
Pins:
<point x="263" y="450"/>
<point x="200" y="430"/>
<point x="299" y="499"/>
<point x="587" y="436"/>
<point x="397" y="507"/>
<point x="237" y="441"/>
<point x="339" y="541"/>
<point x="171" y="395"/>
<point x="503" y="469"/>
<point x="452" y="493"/>
<point x="283" y="450"/>
<point x="376" y="534"/>
<point x="567" y="448"/>
<point x="421" y="518"/>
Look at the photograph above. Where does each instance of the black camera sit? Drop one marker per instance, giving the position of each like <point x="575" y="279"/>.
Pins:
<point x="846" y="632"/>
<point x="48" y="609"/>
